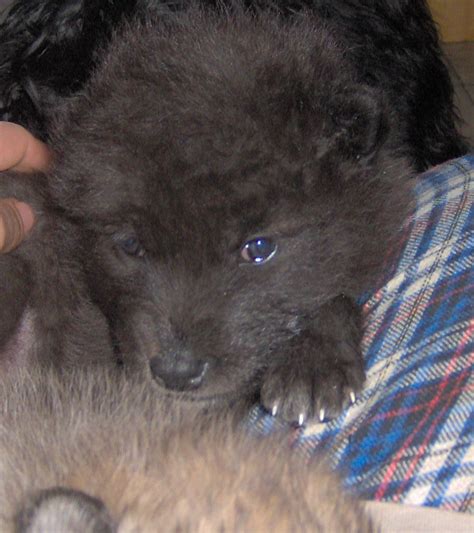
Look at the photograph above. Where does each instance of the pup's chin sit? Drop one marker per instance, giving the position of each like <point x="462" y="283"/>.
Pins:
<point x="218" y="396"/>
<point x="238" y="400"/>
<point x="204" y="396"/>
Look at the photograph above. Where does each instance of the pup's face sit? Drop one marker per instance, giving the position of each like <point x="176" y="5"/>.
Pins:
<point x="224" y="193"/>
<point x="213" y="275"/>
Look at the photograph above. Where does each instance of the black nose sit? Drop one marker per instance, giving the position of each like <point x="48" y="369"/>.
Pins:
<point x="179" y="372"/>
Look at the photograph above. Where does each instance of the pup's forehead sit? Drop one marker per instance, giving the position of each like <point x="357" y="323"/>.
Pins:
<point x="212" y="204"/>
<point x="170" y="127"/>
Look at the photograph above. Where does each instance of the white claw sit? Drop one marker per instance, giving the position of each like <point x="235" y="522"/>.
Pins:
<point x="353" y="397"/>
<point x="301" y="419"/>
<point x="275" y="409"/>
<point x="322" y="412"/>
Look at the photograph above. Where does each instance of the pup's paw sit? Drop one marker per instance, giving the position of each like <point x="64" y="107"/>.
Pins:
<point x="321" y="371"/>
<point x="319" y="389"/>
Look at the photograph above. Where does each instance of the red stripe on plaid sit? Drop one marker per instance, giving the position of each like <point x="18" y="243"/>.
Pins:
<point x="404" y="314"/>
<point x="459" y="290"/>
<point x="405" y="411"/>
<point x="453" y="395"/>
<point x="408" y="309"/>
<point x="431" y="407"/>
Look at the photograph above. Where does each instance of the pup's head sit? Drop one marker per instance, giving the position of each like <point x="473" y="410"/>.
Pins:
<point x="229" y="176"/>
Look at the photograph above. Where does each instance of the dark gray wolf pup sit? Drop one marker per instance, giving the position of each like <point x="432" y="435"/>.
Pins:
<point x="235" y="187"/>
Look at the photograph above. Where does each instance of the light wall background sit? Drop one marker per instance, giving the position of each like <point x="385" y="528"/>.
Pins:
<point x="455" y="19"/>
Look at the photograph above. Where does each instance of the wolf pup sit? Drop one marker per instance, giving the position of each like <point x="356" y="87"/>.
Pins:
<point x="92" y="452"/>
<point x="235" y="186"/>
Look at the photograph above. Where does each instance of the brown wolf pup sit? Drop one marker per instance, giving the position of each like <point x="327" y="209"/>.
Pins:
<point x="96" y="453"/>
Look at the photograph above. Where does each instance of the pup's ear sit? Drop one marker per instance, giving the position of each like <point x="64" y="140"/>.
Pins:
<point x="361" y="122"/>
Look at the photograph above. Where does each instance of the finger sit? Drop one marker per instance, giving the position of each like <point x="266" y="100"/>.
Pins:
<point x="16" y="220"/>
<point x="20" y="151"/>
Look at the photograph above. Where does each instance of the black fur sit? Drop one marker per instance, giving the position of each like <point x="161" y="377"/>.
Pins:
<point x="49" y="48"/>
<point x="47" y="51"/>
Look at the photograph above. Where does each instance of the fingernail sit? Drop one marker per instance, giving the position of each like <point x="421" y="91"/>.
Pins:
<point x="16" y="219"/>
<point x="27" y="215"/>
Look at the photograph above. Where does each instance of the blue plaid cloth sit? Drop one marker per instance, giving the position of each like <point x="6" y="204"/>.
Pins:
<point x="410" y="436"/>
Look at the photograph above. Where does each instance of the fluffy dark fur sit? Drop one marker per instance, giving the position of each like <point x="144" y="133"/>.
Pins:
<point x="93" y="452"/>
<point x="198" y="134"/>
<point x="207" y="140"/>
<point x="46" y="314"/>
<point x="48" y="49"/>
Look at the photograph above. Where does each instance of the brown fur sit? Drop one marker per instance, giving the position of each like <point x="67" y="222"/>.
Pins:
<point x="149" y="466"/>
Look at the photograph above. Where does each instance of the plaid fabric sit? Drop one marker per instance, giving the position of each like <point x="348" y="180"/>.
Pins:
<point x="410" y="436"/>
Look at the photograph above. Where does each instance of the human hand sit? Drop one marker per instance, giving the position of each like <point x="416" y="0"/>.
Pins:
<point x="22" y="152"/>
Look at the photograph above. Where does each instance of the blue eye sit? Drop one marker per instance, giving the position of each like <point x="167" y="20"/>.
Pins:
<point x="259" y="250"/>
<point x="132" y="246"/>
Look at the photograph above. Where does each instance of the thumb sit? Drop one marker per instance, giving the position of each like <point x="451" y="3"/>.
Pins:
<point x="16" y="220"/>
